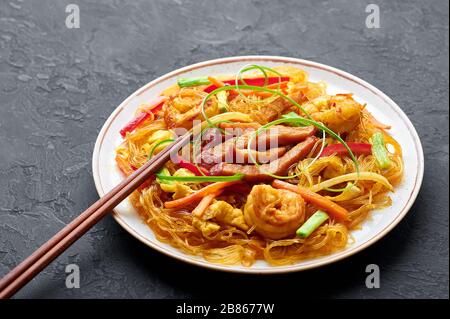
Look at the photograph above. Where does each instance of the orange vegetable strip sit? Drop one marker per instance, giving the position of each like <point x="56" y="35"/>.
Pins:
<point x="212" y="188"/>
<point x="204" y="203"/>
<point x="280" y="85"/>
<point x="256" y="93"/>
<point x="337" y="212"/>
<point x="216" y="82"/>
<point x="122" y="164"/>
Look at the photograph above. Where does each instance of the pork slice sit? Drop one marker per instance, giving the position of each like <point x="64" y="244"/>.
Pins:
<point x="267" y="144"/>
<point x="242" y="156"/>
<point x="253" y="173"/>
<point x="277" y="135"/>
<point x="239" y="125"/>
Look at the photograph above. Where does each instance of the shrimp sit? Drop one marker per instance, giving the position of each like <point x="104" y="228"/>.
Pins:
<point x="340" y="112"/>
<point x="274" y="213"/>
<point x="185" y="106"/>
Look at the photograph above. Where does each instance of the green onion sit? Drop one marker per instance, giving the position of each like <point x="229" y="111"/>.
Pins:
<point x="263" y="70"/>
<point x="162" y="174"/>
<point x="253" y="67"/>
<point x="185" y="82"/>
<point x="200" y="179"/>
<point x="313" y="222"/>
<point x="291" y="115"/>
<point x="152" y="151"/>
<point x="222" y="101"/>
<point x="379" y="150"/>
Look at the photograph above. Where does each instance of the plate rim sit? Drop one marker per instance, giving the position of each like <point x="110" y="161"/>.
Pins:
<point x="276" y="269"/>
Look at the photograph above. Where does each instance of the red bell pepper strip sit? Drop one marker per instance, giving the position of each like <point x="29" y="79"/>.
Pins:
<point x="153" y="107"/>
<point x="189" y="166"/>
<point x="251" y="81"/>
<point x="134" y="123"/>
<point x="339" y="149"/>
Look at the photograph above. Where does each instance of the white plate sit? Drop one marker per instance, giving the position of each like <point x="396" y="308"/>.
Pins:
<point x="106" y="174"/>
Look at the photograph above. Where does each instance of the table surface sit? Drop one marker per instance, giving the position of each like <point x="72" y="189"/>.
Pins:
<point x="58" y="86"/>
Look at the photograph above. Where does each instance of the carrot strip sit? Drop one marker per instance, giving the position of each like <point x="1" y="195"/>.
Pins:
<point x="280" y="85"/>
<point x="256" y="93"/>
<point x="204" y="204"/>
<point x="212" y="188"/>
<point x="123" y="166"/>
<point x="216" y="82"/>
<point x="336" y="211"/>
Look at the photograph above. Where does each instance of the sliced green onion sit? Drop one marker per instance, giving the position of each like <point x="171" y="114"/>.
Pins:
<point x="313" y="222"/>
<point x="152" y="151"/>
<point x="162" y="174"/>
<point x="200" y="179"/>
<point x="250" y="67"/>
<point x="379" y="150"/>
<point x="186" y="82"/>
<point x="292" y="115"/>
<point x="222" y="100"/>
<point x="263" y="70"/>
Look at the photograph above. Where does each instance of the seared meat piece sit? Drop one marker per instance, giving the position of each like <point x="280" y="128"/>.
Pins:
<point x="212" y="137"/>
<point x="228" y="152"/>
<point x="239" y="125"/>
<point x="280" y="166"/>
<point x="272" y="111"/>
<point x="235" y="150"/>
<point x="279" y="135"/>
<point x="241" y="156"/>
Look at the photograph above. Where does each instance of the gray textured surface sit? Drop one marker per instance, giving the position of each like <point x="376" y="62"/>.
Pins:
<point x="57" y="87"/>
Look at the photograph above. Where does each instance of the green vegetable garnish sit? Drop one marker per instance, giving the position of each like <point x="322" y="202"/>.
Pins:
<point x="162" y="174"/>
<point x="152" y="151"/>
<point x="200" y="179"/>
<point x="186" y="82"/>
<point x="222" y="101"/>
<point x="263" y="70"/>
<point x="313" y="222"/>
<point x="291" y="115"/>
<point x="379" y="150"/>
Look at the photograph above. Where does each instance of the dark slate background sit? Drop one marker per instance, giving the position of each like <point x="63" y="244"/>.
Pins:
<point x="58" y="86"/>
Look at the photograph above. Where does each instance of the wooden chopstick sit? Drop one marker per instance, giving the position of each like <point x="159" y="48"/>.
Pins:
<point x="31" y="266"/>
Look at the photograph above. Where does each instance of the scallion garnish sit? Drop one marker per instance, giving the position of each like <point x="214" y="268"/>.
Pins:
<point x="222" y="101"/>
<point x="186" y="82"/>
<point x="313" y="222"/>
<point x="379" y="150"/>
<point x="152" y="151"/>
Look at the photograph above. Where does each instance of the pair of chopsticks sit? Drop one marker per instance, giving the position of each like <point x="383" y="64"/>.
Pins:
<point x="31" y="266"/>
